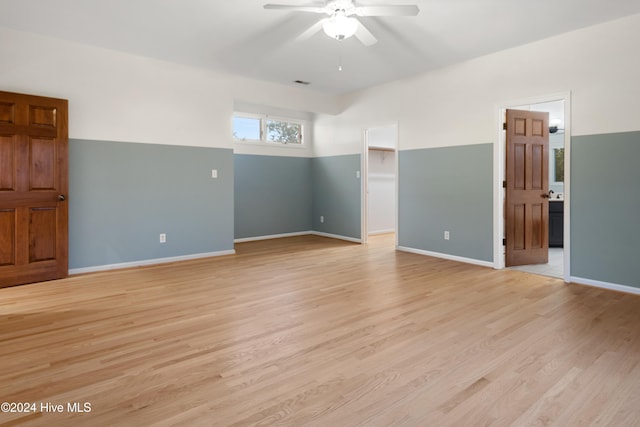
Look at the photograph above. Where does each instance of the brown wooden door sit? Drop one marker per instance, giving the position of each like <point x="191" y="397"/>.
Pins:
<point x="33" y="189"/>
<point x="527" y="176"/>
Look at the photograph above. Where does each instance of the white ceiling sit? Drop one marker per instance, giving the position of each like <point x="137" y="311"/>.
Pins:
<point x="240" y="37"/>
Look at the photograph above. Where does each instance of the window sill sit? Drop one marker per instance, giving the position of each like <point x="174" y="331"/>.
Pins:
<point x="270" y="144"/>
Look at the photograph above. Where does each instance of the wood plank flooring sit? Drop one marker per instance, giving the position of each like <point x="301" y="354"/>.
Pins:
<point x="309" y="331"/>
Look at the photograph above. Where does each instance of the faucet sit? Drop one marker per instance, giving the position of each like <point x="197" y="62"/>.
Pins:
<point x="551" y="192"/>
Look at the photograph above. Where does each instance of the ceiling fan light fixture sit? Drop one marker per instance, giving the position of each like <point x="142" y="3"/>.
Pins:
<point x="340" y="27"/>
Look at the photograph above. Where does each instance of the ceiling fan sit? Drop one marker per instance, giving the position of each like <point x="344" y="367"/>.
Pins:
<point x="341" y="23"/>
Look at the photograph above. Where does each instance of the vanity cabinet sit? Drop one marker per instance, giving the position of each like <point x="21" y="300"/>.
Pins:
<point x="556" y="223"/>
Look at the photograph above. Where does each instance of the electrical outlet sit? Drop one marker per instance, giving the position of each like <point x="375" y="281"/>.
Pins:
<point x="321" y="218"/>
<point x="214" y="173"/>
<point x="163" y="238"/>
<point x="446" y="235"/>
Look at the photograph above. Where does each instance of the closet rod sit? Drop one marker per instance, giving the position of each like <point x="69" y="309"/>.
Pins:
<point x="382" y="149"/>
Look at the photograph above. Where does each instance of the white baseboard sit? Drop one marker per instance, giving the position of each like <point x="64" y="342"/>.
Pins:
<point x="301" y="233"/>
<point x="446" y="256"/>
<point x="272" y="236"/>
<point x="605" y="285"/>
<point x="148" y="262"/>
<point x="155" y="261"/>
<point x="336" y="236"/>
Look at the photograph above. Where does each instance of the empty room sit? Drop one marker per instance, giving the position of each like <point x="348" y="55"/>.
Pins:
<point x="316" y="213"/>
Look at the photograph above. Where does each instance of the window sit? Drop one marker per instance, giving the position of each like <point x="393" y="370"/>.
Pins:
<point x="284" y="132"/>
<point x="262" y="128"/>
<point x="247" y="128"/>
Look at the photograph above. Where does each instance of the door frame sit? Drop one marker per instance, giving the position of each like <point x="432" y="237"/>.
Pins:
<point x="364" y="180"/>
<point x="499" y="153"/>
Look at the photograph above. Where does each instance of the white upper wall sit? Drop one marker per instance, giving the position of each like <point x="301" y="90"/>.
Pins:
<point x="456" y="105"/>
<point x="122" y="97"/>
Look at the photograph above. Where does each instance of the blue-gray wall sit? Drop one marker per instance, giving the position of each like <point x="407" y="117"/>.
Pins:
<point x="337" y="195"/>
<point x="605" y="208"/>
<point x="447" y="189"/>
<point x="123" y="195"/>
<point x="272" y="195"/>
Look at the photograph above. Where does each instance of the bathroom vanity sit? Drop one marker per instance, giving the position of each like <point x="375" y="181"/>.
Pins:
<point x="556" y="223"/>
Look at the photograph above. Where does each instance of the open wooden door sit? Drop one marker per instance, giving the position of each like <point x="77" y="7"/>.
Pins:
<point x="33" y="189"/>
<point x="527" y="188"/>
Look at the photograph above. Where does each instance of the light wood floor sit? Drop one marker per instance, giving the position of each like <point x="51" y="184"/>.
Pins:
<point x="314" y="331"/>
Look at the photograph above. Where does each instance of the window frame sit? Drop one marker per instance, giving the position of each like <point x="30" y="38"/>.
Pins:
<point x="264" y="133"/>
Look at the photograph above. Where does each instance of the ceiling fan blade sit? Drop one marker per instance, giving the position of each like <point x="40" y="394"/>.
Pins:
<point x="311" y="31"/>
<point x="312" y="9"/>
<point x="399" y="10"/>
<point x="365" y="36"/>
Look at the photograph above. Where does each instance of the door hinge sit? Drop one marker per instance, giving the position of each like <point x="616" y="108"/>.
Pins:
<point x="504" y="242"/>
<point x="504" y="184"/>
<point x="504" y="126"/>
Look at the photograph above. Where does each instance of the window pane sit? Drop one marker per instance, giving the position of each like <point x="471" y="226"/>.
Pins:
<point x="284" y="132"/>
<point x="246" y="128"/>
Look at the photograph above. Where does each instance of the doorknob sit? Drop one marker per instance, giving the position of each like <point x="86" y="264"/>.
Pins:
<point x="61" y="197"/>
<point x="546" y="196"/>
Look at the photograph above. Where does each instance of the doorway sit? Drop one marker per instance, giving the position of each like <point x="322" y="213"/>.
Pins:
<point x="380" y="162"/>
<point x="558" y="108"/>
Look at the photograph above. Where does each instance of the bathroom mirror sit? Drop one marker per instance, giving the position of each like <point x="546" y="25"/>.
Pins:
<point x="558" y="161"/>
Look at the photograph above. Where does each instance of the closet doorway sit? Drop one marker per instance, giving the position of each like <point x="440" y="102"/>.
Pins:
<point x="380" y="181"/>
